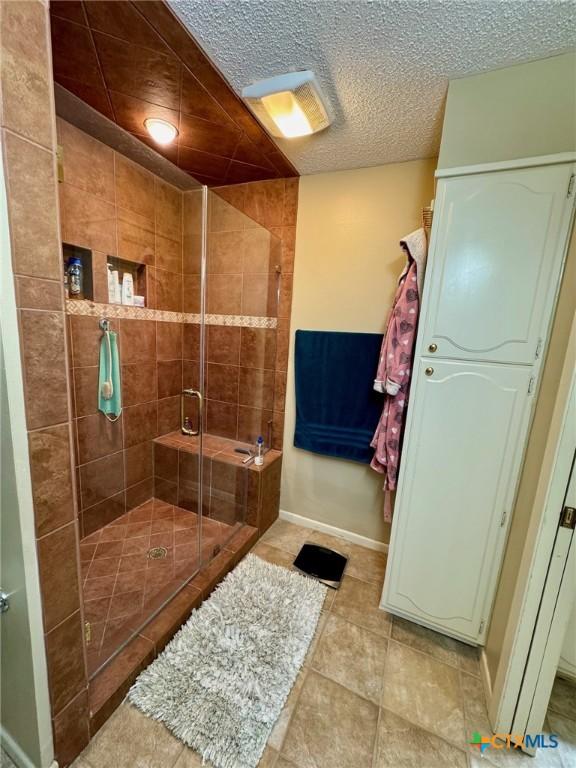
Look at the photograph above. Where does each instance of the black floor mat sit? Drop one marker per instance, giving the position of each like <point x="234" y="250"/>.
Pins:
<point x="321" y="563"/>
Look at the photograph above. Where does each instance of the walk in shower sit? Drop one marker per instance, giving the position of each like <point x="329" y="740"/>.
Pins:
<point x="163" y="489"/>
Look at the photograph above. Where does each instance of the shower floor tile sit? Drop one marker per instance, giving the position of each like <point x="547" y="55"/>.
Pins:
<point x="133" y="565"/>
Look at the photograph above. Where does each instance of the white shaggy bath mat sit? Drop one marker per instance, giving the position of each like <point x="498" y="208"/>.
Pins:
<point x="221" y="683"/>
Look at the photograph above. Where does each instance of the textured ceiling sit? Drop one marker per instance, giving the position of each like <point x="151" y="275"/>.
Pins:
<point x="384" y="65"/>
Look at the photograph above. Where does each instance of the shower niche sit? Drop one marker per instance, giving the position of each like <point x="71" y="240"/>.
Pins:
<point x="85" y="256"/>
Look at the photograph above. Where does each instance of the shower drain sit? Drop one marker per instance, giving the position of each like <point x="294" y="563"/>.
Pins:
<point x="157" y="553"/>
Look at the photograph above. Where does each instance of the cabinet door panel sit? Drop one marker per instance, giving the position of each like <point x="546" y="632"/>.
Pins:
<point x="494" y="262"/>
<point x="463" y="446"/>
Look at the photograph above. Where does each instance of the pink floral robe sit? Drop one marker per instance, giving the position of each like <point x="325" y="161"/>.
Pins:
<point x="395" y="365"/>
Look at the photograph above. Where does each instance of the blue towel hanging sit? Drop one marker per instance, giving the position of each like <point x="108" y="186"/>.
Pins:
<point x="109" y="384"/>
<point x="337" y="409"/>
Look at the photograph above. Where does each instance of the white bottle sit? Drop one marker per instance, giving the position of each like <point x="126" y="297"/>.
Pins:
<point x="111" y="286"/>
<point x="117" y="288"/>
<point x="127" y="289"/>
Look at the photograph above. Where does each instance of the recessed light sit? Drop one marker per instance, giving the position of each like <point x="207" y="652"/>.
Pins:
<point x="161" y="131"/>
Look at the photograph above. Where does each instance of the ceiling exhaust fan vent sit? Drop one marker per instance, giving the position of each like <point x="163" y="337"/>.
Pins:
<point x="289" y="105"/>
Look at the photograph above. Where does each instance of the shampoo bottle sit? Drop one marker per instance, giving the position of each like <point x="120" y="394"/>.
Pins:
<point x="111" y="286"/>
<point x="127" y="289"/>
<point x="117" y="287"/>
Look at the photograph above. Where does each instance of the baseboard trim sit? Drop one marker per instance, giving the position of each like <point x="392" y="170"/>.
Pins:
<point x="485" y="674"/>
<point x="315" y="525"/>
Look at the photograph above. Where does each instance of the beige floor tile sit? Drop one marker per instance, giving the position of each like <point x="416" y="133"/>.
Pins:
<point x="331" y="727"/>
<point x="279" y="731"/>
<point x="329" y="601"/>
<point x="367" y="564"/>
<point x="565" y="729"/>
<point x="403" y="745"/>
<point x="79" y="763"/>
<point x="273" y="554"/>
<point x="283" y="763"/>
<point x="269" y="758"/>
<point x="352" y="656"/>
<point x="316" y="639"/>
<point x="475" y="710"/>
<point x="331" y="542"/>
<point x="424" y="691"/>
<point x="131" y="739"/>
<point x="358" y="602"/>
<point x="286" y="536"/>
<point x="439" y="646"/>
<point x="563" y="698"/>
<point x="476" y="719"/>
<point x="191" y="759"/>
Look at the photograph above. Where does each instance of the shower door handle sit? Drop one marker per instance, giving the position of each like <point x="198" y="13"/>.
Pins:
<point x="192" y="393"/>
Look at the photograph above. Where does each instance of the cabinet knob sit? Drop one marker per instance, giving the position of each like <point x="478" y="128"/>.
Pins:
<point x="432" y="347"/>
<point x="429" y="371"/>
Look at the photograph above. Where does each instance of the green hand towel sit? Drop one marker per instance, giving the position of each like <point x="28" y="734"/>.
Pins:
<point x="113" y="406"/>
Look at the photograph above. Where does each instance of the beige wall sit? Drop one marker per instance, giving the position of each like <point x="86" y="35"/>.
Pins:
<point x="347" y="264"/>
<point x="524" y="508"/>
<point x="511" y="113"/>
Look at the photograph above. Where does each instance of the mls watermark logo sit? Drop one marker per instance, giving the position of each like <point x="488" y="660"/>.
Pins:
<point x="513" y="741"/>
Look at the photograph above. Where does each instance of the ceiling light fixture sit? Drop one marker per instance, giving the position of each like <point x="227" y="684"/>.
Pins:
<point x="288" y="105"/>
<point x="161" y="131"/>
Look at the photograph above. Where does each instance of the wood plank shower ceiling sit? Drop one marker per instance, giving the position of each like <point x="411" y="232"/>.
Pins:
<point x="133" y="60"/>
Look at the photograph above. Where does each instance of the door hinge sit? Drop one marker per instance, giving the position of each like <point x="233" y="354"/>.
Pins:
<point x="503" y="518"/>
<point x="568" y="518"/>
<point x="538" y="348"/>
<point x="571" y="186"/>
<point x="481" y="627"/>
<point x="531" y="384"/>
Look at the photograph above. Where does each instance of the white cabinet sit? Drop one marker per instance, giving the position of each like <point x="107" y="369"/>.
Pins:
<point x="494" y="267"/>
<point x="465" y="438"/>
<point x="495" y="262"/>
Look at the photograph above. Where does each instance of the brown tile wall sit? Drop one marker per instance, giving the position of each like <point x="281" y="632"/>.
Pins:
<point x="114" y="207"/>
<point x="261" y="355"/>
<point x="249" y="272"/>
<point x="29" y="156"/>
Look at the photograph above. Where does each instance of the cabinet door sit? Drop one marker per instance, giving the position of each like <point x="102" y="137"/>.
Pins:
<point x="463" y="446"/>
<point x="494" y="263"/>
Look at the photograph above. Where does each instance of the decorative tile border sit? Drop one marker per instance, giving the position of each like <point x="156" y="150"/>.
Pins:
<point x="122" y="312"/>
<point x="240" y="321"/>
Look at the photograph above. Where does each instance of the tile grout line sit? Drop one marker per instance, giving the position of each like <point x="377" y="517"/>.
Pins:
<point x="406" y="645"/>
<point x="423" y="653"/>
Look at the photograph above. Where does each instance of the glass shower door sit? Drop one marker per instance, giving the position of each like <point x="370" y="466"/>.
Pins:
<point x="158" y="543"/>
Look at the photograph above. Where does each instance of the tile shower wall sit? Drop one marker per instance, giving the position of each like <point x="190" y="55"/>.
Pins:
<point x="29" y="147"/>
<point x="114" y="207"/>
<point x="260" y="356"/>
<point x="242" y="279"/>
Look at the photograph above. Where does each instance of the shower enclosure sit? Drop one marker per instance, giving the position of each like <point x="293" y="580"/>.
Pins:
<point x="216" y="359"/>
